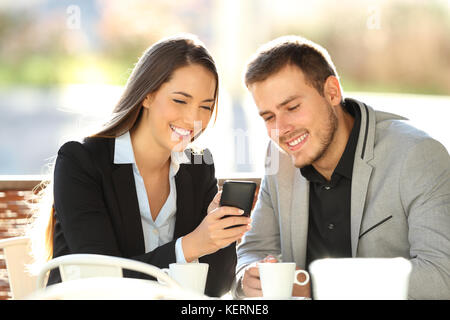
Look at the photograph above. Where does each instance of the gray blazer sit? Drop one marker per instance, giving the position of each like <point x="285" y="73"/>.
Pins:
<point x="400" y="205"/>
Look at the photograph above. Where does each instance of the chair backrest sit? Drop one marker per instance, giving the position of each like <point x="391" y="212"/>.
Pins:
<point x="17" y="256"/>
<point x="79" y="266"/>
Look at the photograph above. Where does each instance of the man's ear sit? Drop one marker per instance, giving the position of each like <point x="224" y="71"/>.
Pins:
<point x="147" y="101"/>
<point x="332" y="90"/>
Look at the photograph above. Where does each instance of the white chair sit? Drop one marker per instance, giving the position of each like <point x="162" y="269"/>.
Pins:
<point x="113" y="288"/>
<point x="17" y="255"/>
<point x="80" y="266"/>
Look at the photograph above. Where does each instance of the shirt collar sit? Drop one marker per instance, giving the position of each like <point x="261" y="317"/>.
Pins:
<point x="345" y="165"/>
<point x="123" y="153"/>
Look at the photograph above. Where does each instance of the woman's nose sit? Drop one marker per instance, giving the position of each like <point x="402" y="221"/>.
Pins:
<point x="190" y="115"/>
<point x="192" y="120"/>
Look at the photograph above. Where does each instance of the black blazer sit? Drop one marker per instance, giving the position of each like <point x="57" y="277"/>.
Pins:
<point x="97" y="211"/>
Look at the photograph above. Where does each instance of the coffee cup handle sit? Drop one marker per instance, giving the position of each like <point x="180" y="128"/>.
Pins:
<point x="297" y="272"/>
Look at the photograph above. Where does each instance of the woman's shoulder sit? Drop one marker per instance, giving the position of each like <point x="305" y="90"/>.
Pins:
<point x="90" y="148"/>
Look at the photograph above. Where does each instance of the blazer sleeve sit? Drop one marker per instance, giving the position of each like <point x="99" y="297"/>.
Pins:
<point x="82" y="213"/>
<point x="425" y="192"/>
<point x="79" y="204"/>
<point x="262" y="239"/>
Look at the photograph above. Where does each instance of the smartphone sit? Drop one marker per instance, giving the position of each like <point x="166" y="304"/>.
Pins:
<point x="239" y="194"/>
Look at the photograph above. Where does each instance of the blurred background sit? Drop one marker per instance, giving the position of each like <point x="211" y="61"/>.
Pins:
<point x="63" y="65"/>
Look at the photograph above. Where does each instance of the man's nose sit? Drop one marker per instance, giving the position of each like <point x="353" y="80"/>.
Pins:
<point x="284" y="125"/>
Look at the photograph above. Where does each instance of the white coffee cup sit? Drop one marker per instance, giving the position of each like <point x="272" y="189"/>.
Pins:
<point x="277" y="279"/>
<point x="360" y="278"/>
<point x="190" y="276"/>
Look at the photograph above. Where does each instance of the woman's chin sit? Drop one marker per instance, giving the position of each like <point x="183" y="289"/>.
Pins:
<point x="179" y="147"/>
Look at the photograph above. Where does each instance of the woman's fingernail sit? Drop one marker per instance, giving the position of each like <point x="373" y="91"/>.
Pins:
<point x="241" y="211"/>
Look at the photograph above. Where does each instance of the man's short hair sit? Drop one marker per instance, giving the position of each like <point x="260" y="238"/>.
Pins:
<point x="311" y="58"/>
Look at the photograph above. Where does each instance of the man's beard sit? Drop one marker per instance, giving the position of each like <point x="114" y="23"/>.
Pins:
<point x="327" y="135"/>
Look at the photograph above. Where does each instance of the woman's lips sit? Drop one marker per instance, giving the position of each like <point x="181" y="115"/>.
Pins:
<point x="181" y="132"/>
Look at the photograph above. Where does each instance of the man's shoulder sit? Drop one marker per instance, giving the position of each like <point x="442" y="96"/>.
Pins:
<point x="399" y="133"/>
<point x="398" y="140"/>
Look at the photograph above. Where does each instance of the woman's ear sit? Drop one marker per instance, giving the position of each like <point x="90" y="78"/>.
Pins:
<point x="147" y="101"/>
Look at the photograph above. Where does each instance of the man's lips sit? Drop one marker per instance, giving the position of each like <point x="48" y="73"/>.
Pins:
<point x="297" y="142"/>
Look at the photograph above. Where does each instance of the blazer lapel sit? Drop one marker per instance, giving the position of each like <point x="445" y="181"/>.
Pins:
<point x="125" y="188"/>
<point x="362" y="171"/>
<point x="300" y="214"/>
<point x="360" y="183"/>
<point x="185" y="216"/>
<point x="293" y="195"/>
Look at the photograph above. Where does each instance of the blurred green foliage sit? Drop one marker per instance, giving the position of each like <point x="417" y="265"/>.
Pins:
<point x="408" y="51"/>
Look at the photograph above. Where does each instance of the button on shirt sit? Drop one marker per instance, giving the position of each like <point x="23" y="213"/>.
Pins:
<point x="329" y="202"/>
<point x="158" y="232"/>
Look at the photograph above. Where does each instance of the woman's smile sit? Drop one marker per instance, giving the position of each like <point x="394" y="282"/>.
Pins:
<point x="180" y="132"/>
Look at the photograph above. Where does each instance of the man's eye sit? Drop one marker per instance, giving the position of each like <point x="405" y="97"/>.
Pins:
<point x="294" y="107"/>
<point x="206" y="108"/>
<point x="179" y="101"/>
<point x="268" y="118"/>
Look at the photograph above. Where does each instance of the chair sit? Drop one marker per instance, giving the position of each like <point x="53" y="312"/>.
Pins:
<point x="113" y="288"/>
<point x="80" y="266"/>
<point x="17" y="255"/>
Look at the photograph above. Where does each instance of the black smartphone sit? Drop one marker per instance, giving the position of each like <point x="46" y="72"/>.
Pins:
<point x="239" y="194"/>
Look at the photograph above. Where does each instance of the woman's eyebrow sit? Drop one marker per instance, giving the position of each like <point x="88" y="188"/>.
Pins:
<point x="187" y="95"/>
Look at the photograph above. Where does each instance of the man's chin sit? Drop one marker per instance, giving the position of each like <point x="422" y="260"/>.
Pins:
<point x="300" y="162"/>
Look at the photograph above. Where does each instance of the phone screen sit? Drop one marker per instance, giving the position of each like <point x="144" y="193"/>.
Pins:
<point x="238" y="194"/>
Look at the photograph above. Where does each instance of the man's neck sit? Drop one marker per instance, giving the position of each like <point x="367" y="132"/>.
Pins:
<point x="330" y="159"/>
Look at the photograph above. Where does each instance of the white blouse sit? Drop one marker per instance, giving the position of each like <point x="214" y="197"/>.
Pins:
<point x="160" y="231"/>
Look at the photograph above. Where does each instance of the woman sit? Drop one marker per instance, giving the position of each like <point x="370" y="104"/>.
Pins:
<point x="132" y="191"/>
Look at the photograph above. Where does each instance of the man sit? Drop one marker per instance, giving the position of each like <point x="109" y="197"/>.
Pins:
<point x="352" y="181"/>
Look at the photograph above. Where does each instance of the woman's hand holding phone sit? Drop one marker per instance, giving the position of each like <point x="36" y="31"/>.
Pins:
<point x="214" y="231"/>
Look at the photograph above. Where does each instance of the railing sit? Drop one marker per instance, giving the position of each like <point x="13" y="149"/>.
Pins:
<point x="15" y="212"/>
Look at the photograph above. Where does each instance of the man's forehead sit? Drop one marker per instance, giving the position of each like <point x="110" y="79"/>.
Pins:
<point x="267" y="98"/>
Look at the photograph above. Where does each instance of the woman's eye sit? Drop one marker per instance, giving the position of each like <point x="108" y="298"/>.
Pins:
<point x="268" y="118"/>
<point x="206" y="108"/>
<point x="179" y="101"/>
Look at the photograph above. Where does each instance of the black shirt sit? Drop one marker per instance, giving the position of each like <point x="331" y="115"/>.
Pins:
<point x="329" y="202"/>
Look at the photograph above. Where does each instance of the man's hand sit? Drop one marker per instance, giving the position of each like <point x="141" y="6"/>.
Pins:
<point x="251" y="282"/>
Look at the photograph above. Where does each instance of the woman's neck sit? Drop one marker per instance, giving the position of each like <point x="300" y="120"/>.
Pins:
<point x="150" y="157"/>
